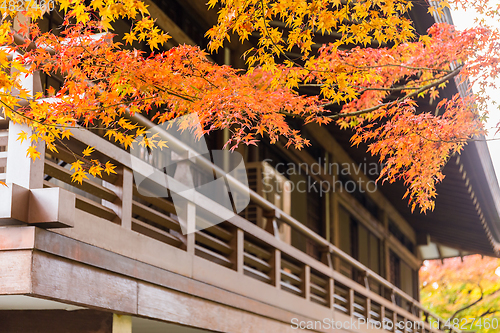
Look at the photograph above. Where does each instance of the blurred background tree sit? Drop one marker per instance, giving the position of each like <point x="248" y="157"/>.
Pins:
<point x="463" y="291"/>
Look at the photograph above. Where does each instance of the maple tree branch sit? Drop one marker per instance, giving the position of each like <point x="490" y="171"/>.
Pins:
<point x="469" y="305"/>
<point x="482" y="297"/>
<point x="269" y="36"/>
<point x="401" y="66"/>
<point x="162" y="89"/>
<point x="399" y="100"/>
<point x="490" y="311"/>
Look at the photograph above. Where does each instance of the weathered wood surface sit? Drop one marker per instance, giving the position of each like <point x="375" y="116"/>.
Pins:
<point x="15" y="272"/>
<point x="70" y="281"/>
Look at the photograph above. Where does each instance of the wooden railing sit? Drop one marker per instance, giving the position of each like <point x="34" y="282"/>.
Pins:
<point x="3" y="153"/>
<point x="236" y="244"/>
<point x="4" y="138"/>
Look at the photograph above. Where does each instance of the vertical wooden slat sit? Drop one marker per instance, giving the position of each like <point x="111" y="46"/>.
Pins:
<point x="395" y="320"/>
<point x="275" y="263"/>
<point x="386" y="269"/>
<point x="331" y="293"/>
<point x="237" y="244"/>
<point x="122" y="206"/>
<point x="186" y="212"/>
<point x="382" y="314"/>
<point x="127" y="197"/>
<point x="306" y="282"/>
<point x="336" y="227"/>
<point x="368" y="307"/>
<point x="351" y="302"/>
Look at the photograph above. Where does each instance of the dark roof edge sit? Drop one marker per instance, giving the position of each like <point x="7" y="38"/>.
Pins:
<point x="489" y="195"/>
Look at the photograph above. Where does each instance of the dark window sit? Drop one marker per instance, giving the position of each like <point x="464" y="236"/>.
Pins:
<point x="357" y="241"/>
<point x="396" y="232"/>
<point x="361" y="197"/>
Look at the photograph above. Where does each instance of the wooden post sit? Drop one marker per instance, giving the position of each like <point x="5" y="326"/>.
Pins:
<point x="123" y="189"/>
<point x="368" y="308"/>
<point x="331" y="293"/>
<point x="191" y="226"/>
<point x="385" y="247"/>
<point x="275" y="263"/>
<point x="271" y="223"/>
<point x="336" y="227"/>
<point x="186" y="210"/>
<point x="306" y="282"/>
<point x="21" y="170"/>
<point x="351" y="302"/>
<point x="121" y="324"/>
<point x="395" y="320"/>
<point x="382" y="314"/>
<point x="237" y="244"/>
<point x="326" y="258"/>
<point x="365" y="279"/>
<point x="186" y="214"/>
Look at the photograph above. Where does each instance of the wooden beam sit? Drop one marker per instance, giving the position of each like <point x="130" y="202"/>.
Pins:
<point x="15" y="267"/>
<point x="207" y="280"/>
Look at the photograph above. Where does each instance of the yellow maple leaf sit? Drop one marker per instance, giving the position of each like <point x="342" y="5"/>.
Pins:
<point x="129" y="38"/>
<point x="22" y="136"/>
<point x="95" y="170"/>
<point x="79" y="176"/>
<point x="89" y="150"/>
<point x="162" y="144"/>
<point x="109" y="168"/>
<point x="77" y="166"/>
<point x="32" y="153"/>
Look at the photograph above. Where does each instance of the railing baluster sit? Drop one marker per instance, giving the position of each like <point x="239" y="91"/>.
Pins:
<point x="122" y="206"/>
<point x="351" y="302"/>
<point x="368" y="308"/>
<point x="306" y="282"/>
<point x="275" y="263"/>
<point x="331" y="293"/>
<point x="237" y="244"/>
